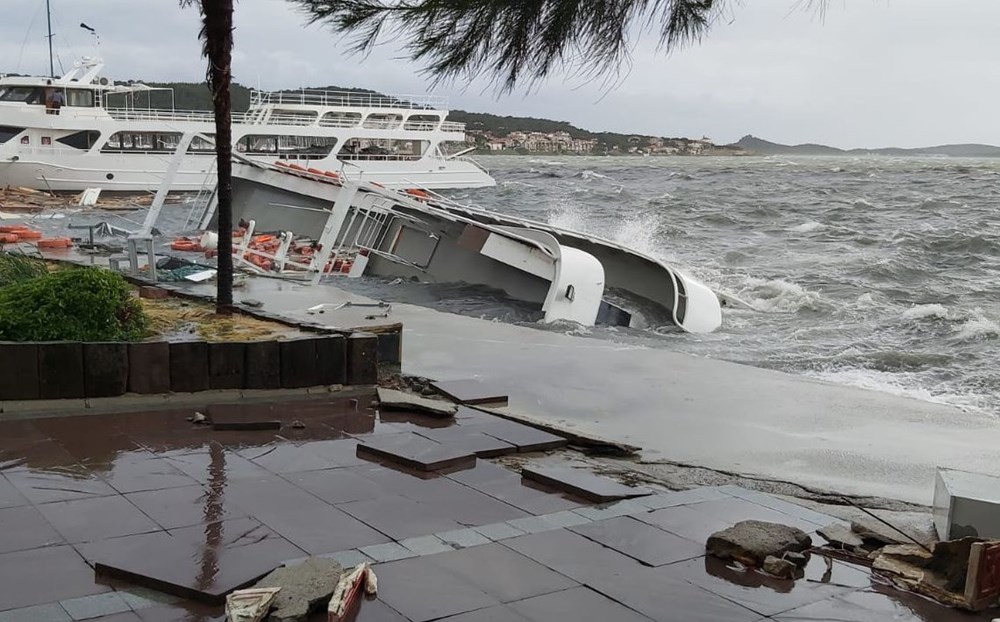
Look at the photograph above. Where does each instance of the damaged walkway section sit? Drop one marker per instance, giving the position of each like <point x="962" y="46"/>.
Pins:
<point x="151" y="517"/>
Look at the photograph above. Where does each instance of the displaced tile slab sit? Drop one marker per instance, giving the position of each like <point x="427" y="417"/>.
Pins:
<point x="471" y="391"/>
<point x="502" y="573"/>
<point x="25" y="528"/>
<point x="649" y="545"/>
<point x="87" y="607"/>
<point x="201" y="563"/>
<point x="575" y="604"/>
<point x="388" y="552"/>
<point x="483" y="445"/>
<point x="52" y="612"/>
<point x="582" y="483"/>
<point x="423" y="592"/>
<point x="699" y="521"/>
<point x="183" y="507"/>
<point x="765" y="594"/>
<point x="525" y="438"/>
<point x="44" y="575"/>
<point x="86" y="520"/>
<point x="509" y="487"/>
<point x="398" y="400"/>
<point x="416" y="452"/>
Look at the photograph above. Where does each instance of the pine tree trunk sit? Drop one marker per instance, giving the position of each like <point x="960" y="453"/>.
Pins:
<point x="218" y="22"/>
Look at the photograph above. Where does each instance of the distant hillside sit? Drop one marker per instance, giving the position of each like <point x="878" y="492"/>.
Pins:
<point x="765" y="147"/>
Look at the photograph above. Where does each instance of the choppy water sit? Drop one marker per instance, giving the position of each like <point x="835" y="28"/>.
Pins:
<point x="876" y="272"/>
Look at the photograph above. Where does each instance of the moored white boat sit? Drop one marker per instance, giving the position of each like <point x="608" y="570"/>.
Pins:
<point x="110" y="136"/>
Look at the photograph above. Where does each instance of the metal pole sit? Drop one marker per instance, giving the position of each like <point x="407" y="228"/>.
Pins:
<point x="48" y="13"/>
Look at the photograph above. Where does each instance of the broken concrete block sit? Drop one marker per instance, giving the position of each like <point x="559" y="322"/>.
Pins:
<point x="398" y="400"/>
<point x="839" y="536"/>
<point x="750" y="542"/>
<point x="782" y="568"/>
<point x="910" y="553"/>
<point x="304" y="587"/>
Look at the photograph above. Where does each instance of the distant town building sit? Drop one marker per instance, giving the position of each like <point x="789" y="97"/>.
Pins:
<point x="564" y="142"/>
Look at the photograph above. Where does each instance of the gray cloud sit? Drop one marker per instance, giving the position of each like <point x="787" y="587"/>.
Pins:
<point x="871" y="73"/>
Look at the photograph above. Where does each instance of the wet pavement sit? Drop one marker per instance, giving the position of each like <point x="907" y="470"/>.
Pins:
<point x="147" y="517"/>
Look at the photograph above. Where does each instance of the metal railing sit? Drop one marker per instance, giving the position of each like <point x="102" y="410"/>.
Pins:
<point x="311" y="97"/>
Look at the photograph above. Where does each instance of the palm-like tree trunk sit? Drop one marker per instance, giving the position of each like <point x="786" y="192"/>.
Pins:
<point x="217" y="39"/>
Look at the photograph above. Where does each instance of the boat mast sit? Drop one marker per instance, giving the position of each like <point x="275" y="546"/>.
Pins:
<point x="48" y="13"/>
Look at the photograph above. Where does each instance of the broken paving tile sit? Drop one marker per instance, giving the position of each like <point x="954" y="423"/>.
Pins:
<point x="483" y="445"/>
<point x="87" y="607"/>
<point x="471" y="391"/>
<point x="388" y="552"/>
<point x="201" y="563"/>
<point x="524" y="437"/>
<point x="415" y="451"/>
<point x="463" y="538"/>
<point x="614" y="510"/>
<point x="532" y="524"/>
<point x="499" y="531"/>
<point x="583" y="483"/>
<point x="351" y="558"/>
<point x="391" y="399"/>
<point x="86" y="520"/>
<point x="426" y="545"/>
<point x="649" y="545"/>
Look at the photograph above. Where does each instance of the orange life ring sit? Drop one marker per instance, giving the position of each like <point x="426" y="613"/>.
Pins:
<point x="8" y="238"/>
<point x="27" y="234"/>
<point x="263" y="238"/>
<point x="185" y="245"/>
<point x="417" y="192"/>
<point x="54" y="243"/>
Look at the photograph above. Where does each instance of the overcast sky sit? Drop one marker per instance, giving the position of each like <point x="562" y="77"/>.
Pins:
<point x="871" y="73"/>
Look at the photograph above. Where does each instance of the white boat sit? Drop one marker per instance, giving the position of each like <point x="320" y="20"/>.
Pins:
<point x="306" y="225"/>
<point x="108" y="135"/>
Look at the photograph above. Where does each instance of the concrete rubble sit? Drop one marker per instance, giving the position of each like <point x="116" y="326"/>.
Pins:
<point x="751" y="542"/>
<point x="392" y="399"/>
<point x="305" y="587"/>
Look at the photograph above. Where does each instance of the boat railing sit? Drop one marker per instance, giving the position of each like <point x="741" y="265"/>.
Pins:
<point x="352" y="99"/>
<point x="452" y="126"/>
<point x="151" y="114"/>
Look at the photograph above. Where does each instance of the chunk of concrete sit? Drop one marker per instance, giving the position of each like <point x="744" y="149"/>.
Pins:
<point x="750" y="542"/>
<point x="841" y="537"/>
<point x="305" y="587"/>
<point x="781" y="568"/>
<point x="392" y="399"/>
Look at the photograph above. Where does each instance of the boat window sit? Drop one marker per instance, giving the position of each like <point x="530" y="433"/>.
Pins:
<point x="341" y="119"/>
<point x="7" y="132"/>
<point x="80" y="98"/>
<point x="81" y="140"/>
<point x="293" y="117"/>
<point x="422" y="122"/>
<point x="26" y="94"/>
<point x="142" y="142"/>
<point x="199" y="144"/>
<point x="287" y="147"/>
<point x="383" y="149"/>
<point x="383" y="121"/>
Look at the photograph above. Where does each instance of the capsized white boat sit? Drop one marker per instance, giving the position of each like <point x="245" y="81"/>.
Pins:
<point x="319" y="224"/>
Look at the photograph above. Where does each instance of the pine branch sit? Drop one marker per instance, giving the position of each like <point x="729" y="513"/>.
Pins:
<point x="516" y="40"/>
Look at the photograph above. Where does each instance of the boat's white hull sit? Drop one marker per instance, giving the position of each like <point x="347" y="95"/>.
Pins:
<point x="130" y="173"/>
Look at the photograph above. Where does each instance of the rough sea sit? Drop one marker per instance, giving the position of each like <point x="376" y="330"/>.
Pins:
<point x="874" y="272"/>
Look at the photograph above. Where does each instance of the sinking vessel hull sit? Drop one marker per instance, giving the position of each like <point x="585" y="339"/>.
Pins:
<point x="569" y="275"/>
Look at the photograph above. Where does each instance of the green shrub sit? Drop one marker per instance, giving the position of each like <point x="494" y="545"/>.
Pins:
<point x="79" y="304"/>
<point x="17" y="267"/>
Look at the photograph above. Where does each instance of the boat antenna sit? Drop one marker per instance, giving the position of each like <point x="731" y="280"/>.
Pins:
<point x="48" y="14"/>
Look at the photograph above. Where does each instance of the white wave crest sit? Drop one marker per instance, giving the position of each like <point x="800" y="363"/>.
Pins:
<point x="919" y="312"/>
<point x="903" y="385"/>
<point x="978" y="328"/>
<point x="778" y="296"/>
<point x="806" y="227"/>
<point x="863" y="203"/>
